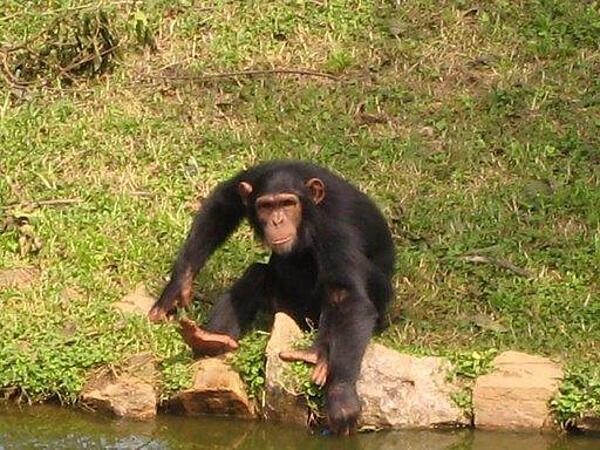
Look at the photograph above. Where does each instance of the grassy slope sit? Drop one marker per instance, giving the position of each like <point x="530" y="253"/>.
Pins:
<point x="476" y="131"/>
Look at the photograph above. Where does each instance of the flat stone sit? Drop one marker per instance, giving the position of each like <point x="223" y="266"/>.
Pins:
<point x="404" y="391"/>
<point x="130" y="393"/>
<point x="517" y="393"/>
<point x="217" y="390"/>
<point x="124" y="396"/>
<point x="282" y="402"/>
<point x="396" y="390"/>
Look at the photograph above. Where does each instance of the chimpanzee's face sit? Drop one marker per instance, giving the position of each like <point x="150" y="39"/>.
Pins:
<point x="278" y="213"/>
<point x="280" y="216"/>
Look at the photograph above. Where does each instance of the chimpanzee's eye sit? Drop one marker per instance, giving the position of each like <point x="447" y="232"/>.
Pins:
<point x="264" y="206"/>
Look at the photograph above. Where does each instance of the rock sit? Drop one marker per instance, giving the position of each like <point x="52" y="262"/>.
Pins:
<point x="401" y="391"/>
<point x="125" y="397"/>
<point x="589" y="423"/>
<point x="396" y="390"/>
<point x="129" y="394"/>
<point x="137" y="302"/>
<point x="141" y="365"/>
<point x="283" y="404"/>
<point x="217" y="390"/>
<point x="19" y="277"/>
<point x="516" y="395"/>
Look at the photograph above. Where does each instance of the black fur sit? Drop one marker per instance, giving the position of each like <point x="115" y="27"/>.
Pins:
<point x="338" y="274"/>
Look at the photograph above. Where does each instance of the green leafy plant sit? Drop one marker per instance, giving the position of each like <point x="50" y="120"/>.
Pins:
<point x="250" y="360"/>
<point x="579" y="394"/>
<point x="299" y="373"/>
<point x="467" y="366"/>
<point x="472" y="364"/>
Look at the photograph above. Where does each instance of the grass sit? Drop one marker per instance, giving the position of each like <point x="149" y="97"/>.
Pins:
<point x="474" y="128"/>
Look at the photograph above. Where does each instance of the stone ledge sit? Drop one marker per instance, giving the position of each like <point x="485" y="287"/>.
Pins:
<point x="517" y="393"/>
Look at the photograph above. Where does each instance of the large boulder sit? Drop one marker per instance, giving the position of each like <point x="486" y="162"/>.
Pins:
<point x="217" y="390"/>
<point x="403" y="391"/>
<point x="282" y="402"/>
<point x="127" y="394"/>
<point x="396" y="390"/>
<point x="517" y="394"/>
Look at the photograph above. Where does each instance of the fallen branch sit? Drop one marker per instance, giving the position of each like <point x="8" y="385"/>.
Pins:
<point x="40" y="203"/>
<point x="503" y="263"/>
<point x="249" y="73"/>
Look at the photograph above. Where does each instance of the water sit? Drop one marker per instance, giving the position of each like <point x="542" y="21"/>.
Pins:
<point x="51" y="427"/>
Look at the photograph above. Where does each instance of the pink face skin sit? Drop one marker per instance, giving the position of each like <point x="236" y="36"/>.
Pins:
<point x="280" y="216"/>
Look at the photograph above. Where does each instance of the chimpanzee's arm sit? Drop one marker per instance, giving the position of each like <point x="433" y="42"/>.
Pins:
<point x="219" y="216"/>
<point x="348" y="318"/>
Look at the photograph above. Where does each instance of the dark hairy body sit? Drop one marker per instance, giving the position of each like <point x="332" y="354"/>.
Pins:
<point x="331" y="265"/>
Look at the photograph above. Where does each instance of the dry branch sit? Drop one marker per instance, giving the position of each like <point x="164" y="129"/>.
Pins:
<point x="249" y="73"/>
<point x="40" y="203"/>
<point x="503" y="263"/>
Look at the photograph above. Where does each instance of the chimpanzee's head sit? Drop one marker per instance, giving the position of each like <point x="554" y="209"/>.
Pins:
<point x="277" y="206"/>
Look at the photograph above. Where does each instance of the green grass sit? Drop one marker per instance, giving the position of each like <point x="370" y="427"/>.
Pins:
<point x="486" y="143"/>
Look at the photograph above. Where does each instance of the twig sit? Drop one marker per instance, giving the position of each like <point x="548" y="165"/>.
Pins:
<point x="40" y="203"/>
<point x="503" y="263"/>
<point x="49" y="12"/>
<point x="249" y="73"/>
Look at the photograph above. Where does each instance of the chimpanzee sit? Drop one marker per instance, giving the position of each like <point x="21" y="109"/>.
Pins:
<point x="331" y="263"/>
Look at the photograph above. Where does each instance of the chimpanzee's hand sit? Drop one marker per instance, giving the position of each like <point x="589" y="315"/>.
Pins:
<point x="173" y="296"/>
<point x="343" y="408"/>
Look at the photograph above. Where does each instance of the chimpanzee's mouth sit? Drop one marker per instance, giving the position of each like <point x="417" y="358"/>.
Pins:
<point x="281" y="241"/>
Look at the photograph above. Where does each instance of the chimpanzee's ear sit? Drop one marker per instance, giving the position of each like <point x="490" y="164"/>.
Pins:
<point x="245" y="189"/>
<point x="317" y="189"/>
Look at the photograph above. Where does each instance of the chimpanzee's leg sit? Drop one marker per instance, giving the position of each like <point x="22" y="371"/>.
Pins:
<point x="231" y="314"/>
<point x="380" y="292"/>
<point x="236" y="309"/>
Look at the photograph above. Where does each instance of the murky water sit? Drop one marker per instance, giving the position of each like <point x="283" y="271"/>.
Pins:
<point x="50" y="427"/>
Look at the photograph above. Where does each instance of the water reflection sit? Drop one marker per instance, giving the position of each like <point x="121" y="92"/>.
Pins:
<point x="45" y="427"/>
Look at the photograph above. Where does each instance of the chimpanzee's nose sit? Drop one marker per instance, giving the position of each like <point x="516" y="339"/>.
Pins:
<point x="277" y="218"/>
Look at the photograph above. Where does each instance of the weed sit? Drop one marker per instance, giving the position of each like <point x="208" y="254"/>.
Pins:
<point x="300" y="374"/>
<point x="299" y="377"/>
<point x="579" y="394"/>
<point x="467" y="366"/>
<point x="250" y="360"/>
<point x="471" y="365"/>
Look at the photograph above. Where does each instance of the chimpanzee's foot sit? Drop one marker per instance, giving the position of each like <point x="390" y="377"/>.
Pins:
<point x="205" y="343"/>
